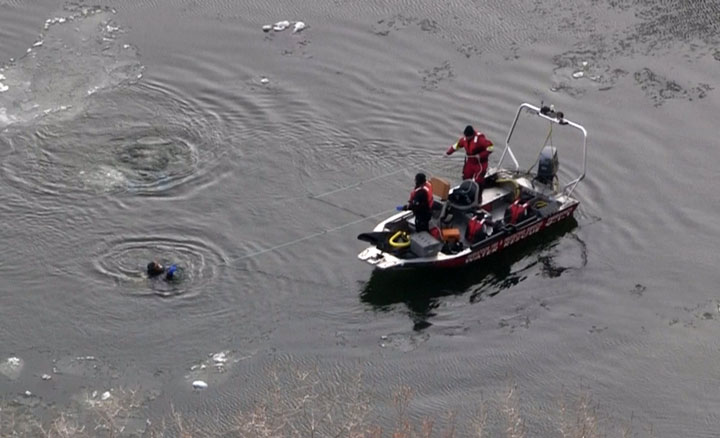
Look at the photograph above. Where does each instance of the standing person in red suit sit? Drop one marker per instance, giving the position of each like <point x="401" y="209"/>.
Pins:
<point x="477" y="150"/>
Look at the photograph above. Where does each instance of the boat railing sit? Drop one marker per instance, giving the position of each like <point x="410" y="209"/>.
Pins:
<point x="552" y="116"/>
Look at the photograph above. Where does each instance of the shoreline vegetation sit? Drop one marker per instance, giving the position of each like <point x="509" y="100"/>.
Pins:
<point x="302" y="404"/>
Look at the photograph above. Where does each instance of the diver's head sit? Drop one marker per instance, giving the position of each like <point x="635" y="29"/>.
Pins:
<point x="420" y="179"/>
<point x="469" y="131"/>
<point x="154" y="269"/>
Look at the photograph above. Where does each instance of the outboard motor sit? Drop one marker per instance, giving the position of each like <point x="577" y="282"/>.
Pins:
<point x="548" y="165"/>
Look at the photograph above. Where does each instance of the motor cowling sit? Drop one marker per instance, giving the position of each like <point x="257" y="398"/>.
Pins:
<point x="548" y="165"/>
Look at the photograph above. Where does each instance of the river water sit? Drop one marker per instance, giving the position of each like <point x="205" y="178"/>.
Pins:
<point x="178" y="130"/>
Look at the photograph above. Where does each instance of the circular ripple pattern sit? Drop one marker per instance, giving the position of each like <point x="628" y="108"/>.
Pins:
<point x="125" y="262"/>
<point x="154" y="148"/>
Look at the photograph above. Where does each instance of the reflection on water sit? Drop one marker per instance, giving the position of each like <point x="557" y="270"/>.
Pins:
<point x="422" y="290"/>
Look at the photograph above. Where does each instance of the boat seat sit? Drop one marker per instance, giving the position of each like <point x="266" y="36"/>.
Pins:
<point x="465" y="197"/>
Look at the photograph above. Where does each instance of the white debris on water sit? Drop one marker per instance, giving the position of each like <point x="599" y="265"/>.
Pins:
<point x="105" y="395"/>
<point x="46" y="377"/>
<point x="199" y="384"/>
<point x="219" y="358"/>
<point x="28" y="394"/>
<point x="85" y="358"/>
<point x="3" y="87"/>
<point x="284" y="24"/>
<point x="12" y="367"/>
<point x="281" y="25"/>
<point x="264" y="80"/>
<point x="578" y="74"/>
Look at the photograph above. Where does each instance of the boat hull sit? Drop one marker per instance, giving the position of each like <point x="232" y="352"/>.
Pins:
<point x="493" y="245"/>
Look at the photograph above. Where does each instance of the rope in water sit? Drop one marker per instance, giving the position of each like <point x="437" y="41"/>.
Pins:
<point x="339" y="227"/>
<point x="313" y="235"/>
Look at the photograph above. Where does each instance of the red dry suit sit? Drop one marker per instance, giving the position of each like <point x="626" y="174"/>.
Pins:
<point x="423" y="190"/>
<point x="477" y="149"/>
<point x="421" y="202"/>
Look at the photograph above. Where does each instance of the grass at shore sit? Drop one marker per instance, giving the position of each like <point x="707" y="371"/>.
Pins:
<point x="302" y="404"/>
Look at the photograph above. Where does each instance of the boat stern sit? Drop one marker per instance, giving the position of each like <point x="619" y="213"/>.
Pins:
<point x="379" y="258"/>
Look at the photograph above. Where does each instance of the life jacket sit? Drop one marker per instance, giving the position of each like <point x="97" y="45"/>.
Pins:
<point x="475" y="229"/>
<point x="427" y="195"/>
<point x="517" y="211"/>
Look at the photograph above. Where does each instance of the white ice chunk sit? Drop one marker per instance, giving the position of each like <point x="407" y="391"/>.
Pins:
<point x="199" y="384"/>
<point x="298" y="26"/>
<point x="578" y="74"/>
<point x="12" y="367"/>
<point x="264" y="80"/>
<point x="267" y="28"/>
<point x="3" y="87"/>
<point x="38" y="43"/>
<point x="219" y="358"/>
<point x="105" y="395"/>
<point x="281" y="25"/>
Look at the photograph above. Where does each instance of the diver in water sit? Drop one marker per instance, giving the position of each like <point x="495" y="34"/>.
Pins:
<point x="155" y="269"/>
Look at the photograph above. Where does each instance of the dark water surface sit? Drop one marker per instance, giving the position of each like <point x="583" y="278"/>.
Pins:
<point x="141" y="130"/>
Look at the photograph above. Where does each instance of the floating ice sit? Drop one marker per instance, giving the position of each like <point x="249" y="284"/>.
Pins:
<point x="264" y="80"/>
<point x="267" y="28"/>
<point x="298" y="26"/>
<point x="38" y="43"/>
<point x="3" y="87"/>
<point x="199" y="384"/>
<point x="578" y="74"/>
<point x="12" y="367"/>
<point x="219" y="358"/>
<point x="46" y="377"/>
<point x="281" y="25"/>
<point x="105" y="395"/>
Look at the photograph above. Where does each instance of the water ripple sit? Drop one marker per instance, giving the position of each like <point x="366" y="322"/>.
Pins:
<point x="143" y="142"/>
<point x="124" y="261"/>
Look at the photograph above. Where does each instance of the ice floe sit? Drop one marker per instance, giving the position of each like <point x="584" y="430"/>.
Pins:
<point x="284" y="24"/>
<point x="12" y="367"/>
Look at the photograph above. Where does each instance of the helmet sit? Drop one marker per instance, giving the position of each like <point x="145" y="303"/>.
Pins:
<point x="469" y="131"/>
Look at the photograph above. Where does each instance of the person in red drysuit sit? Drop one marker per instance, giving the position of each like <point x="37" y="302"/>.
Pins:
<point x="421" y="202"/>
<point x="477" y="150"/>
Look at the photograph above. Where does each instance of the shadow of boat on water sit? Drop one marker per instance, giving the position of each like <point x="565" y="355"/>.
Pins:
<point x="421" y="290"/>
